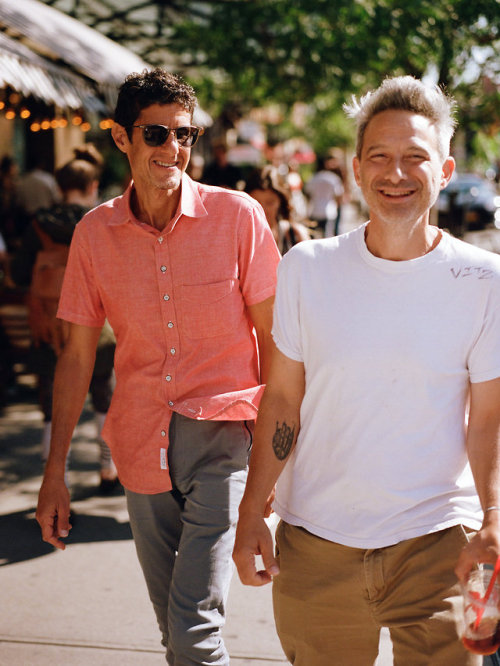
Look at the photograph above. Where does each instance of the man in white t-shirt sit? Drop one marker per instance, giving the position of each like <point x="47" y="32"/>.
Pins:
<point x="385" y="337"/>
<point x="325" y="191"/>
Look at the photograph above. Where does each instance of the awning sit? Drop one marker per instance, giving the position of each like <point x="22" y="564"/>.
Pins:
<point x="29" y="74"/>
<point x="53" y="57"/>
<point x="57" y="59"/>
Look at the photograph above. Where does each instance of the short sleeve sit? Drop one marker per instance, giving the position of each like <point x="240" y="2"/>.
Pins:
<point x="258" y="256"/>
<point x="484" y="358"/>
<point x="286" y="329"/>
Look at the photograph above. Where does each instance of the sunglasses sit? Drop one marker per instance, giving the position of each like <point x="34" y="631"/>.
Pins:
<point x="157" y="135"/>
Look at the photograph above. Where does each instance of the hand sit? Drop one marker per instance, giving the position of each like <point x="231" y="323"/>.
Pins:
<point x="253" y="538"/>
<point x="484" y="547"/>
<point x="52" y="512"/>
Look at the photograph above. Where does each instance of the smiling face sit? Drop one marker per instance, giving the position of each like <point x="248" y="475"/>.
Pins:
<point x="155" y="168"/>
<point x="399" y="170"/>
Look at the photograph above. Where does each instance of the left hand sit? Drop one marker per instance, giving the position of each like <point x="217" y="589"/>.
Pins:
<point x="484" y="547"/>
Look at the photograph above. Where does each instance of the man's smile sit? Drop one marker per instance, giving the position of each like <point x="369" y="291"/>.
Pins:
<point x="165" y="164"/>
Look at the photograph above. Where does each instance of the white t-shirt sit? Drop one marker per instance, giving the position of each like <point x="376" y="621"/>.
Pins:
<point x="323" y="190"/>
<point x="389" y="348"/>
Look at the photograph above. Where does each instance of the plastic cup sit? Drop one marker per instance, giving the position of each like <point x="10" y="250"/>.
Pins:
<point x="481" y="633"/>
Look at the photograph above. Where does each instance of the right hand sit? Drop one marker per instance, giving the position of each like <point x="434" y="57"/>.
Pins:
<point x="52" y="512"/>
<point x="253" y="538"/>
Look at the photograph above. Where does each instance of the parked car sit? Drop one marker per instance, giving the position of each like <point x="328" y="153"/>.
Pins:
<point x="468" y="202"/>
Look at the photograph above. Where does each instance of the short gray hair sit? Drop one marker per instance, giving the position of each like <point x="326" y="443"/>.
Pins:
<point x="405" y="93"/>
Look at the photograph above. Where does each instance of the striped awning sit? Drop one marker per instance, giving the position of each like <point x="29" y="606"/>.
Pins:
<point x="31" y="75"/>
<point x="59" y="60"/>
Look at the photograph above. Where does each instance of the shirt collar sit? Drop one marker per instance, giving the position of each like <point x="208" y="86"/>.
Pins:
<point x="190" y="205"/>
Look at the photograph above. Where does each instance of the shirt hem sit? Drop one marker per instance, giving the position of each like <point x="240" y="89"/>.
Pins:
<point x="368" y="544"/>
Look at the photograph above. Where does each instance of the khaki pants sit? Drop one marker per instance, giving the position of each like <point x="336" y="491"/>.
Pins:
<point x="330" y="601"/>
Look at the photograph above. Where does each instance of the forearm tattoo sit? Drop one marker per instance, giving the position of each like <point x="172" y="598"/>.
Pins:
<point x="283" y="440"/>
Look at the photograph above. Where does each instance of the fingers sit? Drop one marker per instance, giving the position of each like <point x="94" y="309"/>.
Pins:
<point x="254" y="538"/>
<point x="53" y="514"/>
<point x="484" y="547"/>
<point x="53" y="529"/>
<point x="464" y="566"/>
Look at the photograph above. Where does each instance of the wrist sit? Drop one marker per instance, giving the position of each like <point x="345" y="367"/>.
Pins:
<point x="252" y="507"/>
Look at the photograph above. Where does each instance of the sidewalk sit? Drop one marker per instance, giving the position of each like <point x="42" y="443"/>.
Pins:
<point x="88" y="604"/>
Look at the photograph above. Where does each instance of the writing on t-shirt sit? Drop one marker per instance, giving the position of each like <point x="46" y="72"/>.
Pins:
<point x="472" y="271"/>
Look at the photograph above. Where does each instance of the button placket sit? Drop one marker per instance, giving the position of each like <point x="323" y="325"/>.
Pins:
<point x="168" y="316"/>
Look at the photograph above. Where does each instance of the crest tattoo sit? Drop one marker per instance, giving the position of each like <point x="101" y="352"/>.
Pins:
<point x="283" y="440"/>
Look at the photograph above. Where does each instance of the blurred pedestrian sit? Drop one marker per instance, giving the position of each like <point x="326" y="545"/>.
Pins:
<point x="273" y="194"/>
<point x="8" y="206"/>
<point x="185" y="273"/>
<point x="40" y="262"/>
<point x="378" y="360"/>
<point x="335" y="162"/>
<point x="35" y="189"/>
<point x="220" y="171"/>
<point x="325" y="192"/>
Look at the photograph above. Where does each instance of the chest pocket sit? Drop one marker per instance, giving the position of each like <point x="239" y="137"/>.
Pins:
<point x="210" y="310"/>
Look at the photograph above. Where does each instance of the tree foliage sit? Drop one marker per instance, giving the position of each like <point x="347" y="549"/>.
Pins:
<point x="322" y="51"/>
<point x="247" y="53"/>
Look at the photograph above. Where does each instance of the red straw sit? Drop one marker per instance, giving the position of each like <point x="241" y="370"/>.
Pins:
<point x="493" y="578"/>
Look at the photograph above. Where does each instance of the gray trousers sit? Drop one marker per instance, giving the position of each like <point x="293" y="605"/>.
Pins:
<point x="184" y="538"/>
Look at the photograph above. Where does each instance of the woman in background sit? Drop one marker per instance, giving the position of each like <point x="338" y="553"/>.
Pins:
<point x="273" y="194"/>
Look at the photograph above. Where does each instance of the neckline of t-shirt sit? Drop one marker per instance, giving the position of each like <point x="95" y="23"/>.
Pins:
<point x="405" y="266"/>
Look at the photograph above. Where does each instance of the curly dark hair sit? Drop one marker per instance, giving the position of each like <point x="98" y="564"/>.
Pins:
<point x="156" y="86"/>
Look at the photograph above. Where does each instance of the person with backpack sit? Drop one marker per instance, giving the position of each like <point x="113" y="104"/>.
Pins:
<point x="40" y="263"/>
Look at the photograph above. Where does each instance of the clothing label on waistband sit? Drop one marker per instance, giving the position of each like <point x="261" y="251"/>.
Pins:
<point x="163" y="459"/>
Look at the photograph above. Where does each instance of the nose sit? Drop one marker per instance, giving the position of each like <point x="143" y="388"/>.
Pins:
<point x="395" y="170"/>
<point x="171" y="138"/>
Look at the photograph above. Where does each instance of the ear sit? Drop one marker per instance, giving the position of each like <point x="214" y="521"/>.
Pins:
<point x="356" y="170"/>
<point x="447" y="171"/>
<point x="120" y="137"/>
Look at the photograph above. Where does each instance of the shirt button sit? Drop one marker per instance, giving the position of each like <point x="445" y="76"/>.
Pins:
<point x="170" y="324"/>
<point x="160" y="239"/>
<point x="168" y="378"/>
<point x="170" y="403"/>
<point x="166" y="297"/>
<point x="163" y="269"/>
<point x="172" y="351"/>
<point x="163" y="433"/>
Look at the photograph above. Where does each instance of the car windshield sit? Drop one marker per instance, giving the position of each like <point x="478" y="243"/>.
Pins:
<point x="465" y="183"/>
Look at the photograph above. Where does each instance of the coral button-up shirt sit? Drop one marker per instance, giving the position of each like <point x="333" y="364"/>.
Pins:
<point x="177" y="301"/>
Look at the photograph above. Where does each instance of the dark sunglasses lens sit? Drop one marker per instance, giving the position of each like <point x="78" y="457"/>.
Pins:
<point x="154" y="135"/>
<point x="186" y="136"/>
<point x="183" y="136"/>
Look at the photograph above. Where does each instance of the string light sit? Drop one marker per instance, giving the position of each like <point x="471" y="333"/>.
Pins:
<point x="13" y="106"/>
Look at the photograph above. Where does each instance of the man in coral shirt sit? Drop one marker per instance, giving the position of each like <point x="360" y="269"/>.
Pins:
<point x="185" y="274"/>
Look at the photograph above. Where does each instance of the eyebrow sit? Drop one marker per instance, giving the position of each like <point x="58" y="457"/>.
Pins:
<point x="383" y="146"/>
